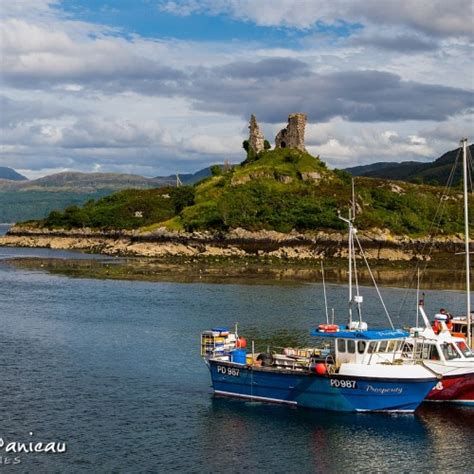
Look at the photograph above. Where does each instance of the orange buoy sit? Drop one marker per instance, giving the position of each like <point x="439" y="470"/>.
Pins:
<point x="328" y="328"/>
<point x="241" y="343"/>
<point x="320" y="369"/>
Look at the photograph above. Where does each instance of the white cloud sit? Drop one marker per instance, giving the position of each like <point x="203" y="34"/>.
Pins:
<point x="211" y="144"/>
<point x="78" y="97"/>
<point x="436" y="17"/>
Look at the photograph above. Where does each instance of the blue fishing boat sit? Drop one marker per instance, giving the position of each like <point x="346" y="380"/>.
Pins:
<point x="358" y="371"/>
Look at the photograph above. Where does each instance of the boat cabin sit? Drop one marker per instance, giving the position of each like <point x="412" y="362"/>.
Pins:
<point x="459" y="327"/>
<point x="365" y="347"/>
<point x="431" y="349"/>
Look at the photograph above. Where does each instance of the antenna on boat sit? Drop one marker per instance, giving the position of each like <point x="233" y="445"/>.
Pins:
<point x="350" y="244"/>
<point x="353" y="202"/>
<point x="324" y="290"/>
<point x="418" y="298"/>
<point x="466" y="241"/>
<point x="352" y="259"/>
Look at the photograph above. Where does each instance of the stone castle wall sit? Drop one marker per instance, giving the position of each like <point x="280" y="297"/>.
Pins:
<point x="293" y="135"/>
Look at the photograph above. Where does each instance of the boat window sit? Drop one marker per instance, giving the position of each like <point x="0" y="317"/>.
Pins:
<point x="372" y="347"/>
<point x="460" y="328"/>
<point x="361" y="346"/>
<point x="392" y="346"/>
<point x="351" y="347"/>
<point x="464" y="349"/>
<point x="341" y="345"/>
<point x="430" y="352"/>
<point x="407" y="347"/>
<point x="449" y="351"/>
<point x="434" y="355"/>
<point x="383" y="346"/>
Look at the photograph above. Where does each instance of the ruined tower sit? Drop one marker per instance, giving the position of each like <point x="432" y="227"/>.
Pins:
<point x="256" y="138"/>
<point x="293" y="135"/>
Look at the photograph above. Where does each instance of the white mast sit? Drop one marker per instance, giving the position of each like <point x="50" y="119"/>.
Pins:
<point x="325" y="297"/>
<point x="466" y="238"/>
<point x="350" y="267"/>
<point x="351" y="250"/>
<point x="352" y="259"/>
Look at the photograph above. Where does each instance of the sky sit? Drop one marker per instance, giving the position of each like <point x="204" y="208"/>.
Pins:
<point x="154" y="87"/>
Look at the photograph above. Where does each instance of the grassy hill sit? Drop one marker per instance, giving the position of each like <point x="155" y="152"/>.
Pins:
<point x="280" y="190"/>
<point x="435" y="173"/>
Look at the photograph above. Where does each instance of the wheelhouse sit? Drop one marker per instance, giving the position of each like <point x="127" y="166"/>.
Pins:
<point x="431" y="349"/>
<point x="365" y="347"/>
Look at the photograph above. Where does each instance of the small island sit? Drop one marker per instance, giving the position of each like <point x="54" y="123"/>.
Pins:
<point x="281" y="203"/>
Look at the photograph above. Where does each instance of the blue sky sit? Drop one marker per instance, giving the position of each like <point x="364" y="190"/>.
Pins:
<point x="158" y="86"/>
<point x="147" y="19"/>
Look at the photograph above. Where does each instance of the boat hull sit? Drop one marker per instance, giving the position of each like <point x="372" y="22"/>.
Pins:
<point x="454" y="389"/>
<point x="306" y="389"/>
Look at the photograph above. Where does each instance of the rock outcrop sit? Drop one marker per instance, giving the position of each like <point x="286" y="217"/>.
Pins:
<point x="378" y="244"/>
<point x="293" y="135"/>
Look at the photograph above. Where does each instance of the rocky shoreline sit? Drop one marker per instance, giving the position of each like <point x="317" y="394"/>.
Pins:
<point x="238" y="243"/>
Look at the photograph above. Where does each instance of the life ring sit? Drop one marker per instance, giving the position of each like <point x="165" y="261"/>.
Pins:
<point x="328" y="328"/>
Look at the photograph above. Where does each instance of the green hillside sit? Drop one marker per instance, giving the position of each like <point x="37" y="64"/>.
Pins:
<point x="279" y="190"/>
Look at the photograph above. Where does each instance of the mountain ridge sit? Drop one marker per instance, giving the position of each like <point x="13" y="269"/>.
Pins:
<point x="10" y="174"/>
<point x="435" y="172"/>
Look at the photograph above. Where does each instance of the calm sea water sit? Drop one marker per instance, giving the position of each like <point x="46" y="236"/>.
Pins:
<point x="113" y="369"/>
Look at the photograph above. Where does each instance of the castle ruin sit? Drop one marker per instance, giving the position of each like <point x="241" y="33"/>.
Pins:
<point x="290" y="137"/>
<point x="293" y="135"/>
<point x="256" y="138"/>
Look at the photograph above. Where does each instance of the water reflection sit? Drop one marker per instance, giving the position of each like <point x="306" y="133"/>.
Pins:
<point x="450" y="430"/>
<point x="75" y="264"/>
<point x="276" y="438"/>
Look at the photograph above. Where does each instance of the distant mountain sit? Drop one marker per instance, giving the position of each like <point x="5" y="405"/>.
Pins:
<point x="436" y="172"/>
<point x="375" y="167"/>
<point x="81" y="182"/>
<point x="188" y="178"/>
<point x="11" y="174"/>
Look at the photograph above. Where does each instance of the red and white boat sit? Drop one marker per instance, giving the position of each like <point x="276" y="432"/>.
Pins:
<point x="444" y="351"/>
<point x="447" y="355"/>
